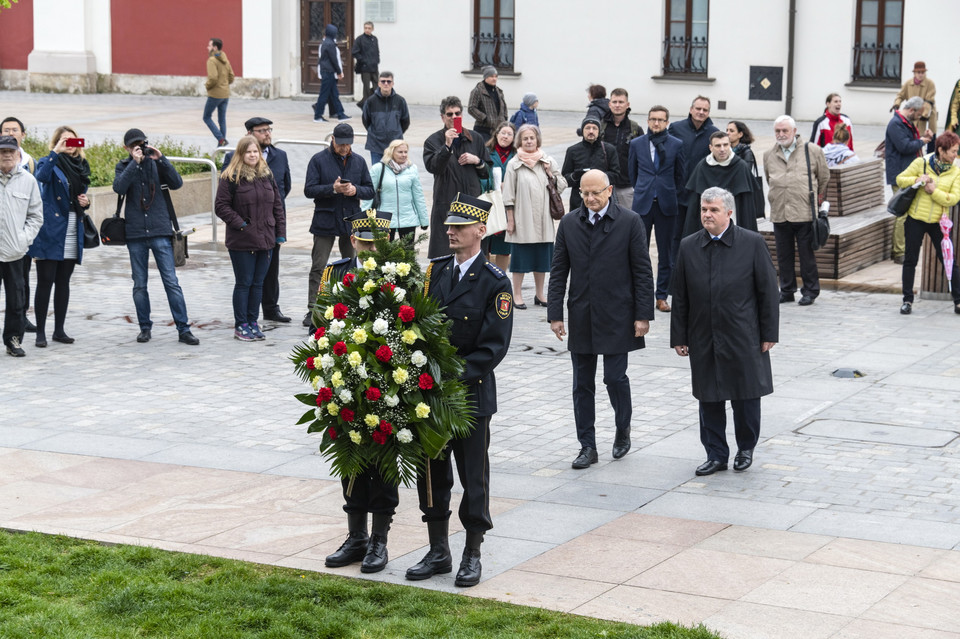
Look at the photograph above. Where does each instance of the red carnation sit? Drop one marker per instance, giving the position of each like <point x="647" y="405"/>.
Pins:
<point x="339" y="348"/>
<point x="310" y="363"/>
<point x="325" y="394"/>
<point x="340" y="310"/>
<point x="373" y="393"/>
<point x="348" y="279"/>
<point x="346" y="414"/>
<point x="407" y="313"/>
<point x="384" y="353"/>
<point x="426" y="382"/>
<point x="320" y="333"/>
<point x="378" y="437"/>
<point x="388" y="287"/>
<point x="332" y="433"/>
<point x="386" y="427"/>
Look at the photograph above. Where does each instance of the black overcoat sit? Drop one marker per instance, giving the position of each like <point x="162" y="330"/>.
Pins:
<point x="725" y="304"/>
<point x="449" y="178"/>
<point x="611" y="281"/>
<point x="736" y="178"/>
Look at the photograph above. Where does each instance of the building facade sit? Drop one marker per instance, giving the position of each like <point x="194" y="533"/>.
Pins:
<point x="755" y="59"/>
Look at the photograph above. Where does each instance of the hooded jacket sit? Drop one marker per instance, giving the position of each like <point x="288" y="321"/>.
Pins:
<point x="219" y="75"/>
<point x="329" y="54"/>
<point x="21" y="214"/>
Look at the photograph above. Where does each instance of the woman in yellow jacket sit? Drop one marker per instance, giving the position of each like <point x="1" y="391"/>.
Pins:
<point x="937" y="179"/>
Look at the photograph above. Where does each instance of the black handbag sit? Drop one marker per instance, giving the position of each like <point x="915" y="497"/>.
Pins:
<point x="821" y="221"/>
<point x="902" y="200"/>
<point x="180" y="252"/>
<point x="113" y="230"/>
<point x="91" y="237"/>
<point x="375" y="204"/>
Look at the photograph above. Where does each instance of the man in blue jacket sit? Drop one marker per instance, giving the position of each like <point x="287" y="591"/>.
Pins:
<point x="330" y="70"/>
<point x="694" y="131"/>
<point x="262" y="129"/>
<point x="385" y="116"/>
<point x="337" y="179"/>
<point x="902" y="145"/>
<point x="656" y="165"/>
<point x="139" y="179"/>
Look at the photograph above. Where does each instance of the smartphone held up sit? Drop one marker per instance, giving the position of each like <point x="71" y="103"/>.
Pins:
<point x="458" y="124"/>
<point x="75" y="143"/>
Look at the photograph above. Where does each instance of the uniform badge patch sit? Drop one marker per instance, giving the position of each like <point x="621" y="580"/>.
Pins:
<point x="504" y="304"/>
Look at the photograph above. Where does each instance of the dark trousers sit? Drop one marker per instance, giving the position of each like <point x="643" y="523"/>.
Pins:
<point x="249" y="269"/>
<point x="786" y="234"/>
<point x="406" y="231"/>
<point x="329" y="94"/>
<point x="322" y="245"/>
<point x="370" y="494"/>
<point x="913" y="232"/>
<point x="713" y="426"/>
<point x="271" y="285"/>
<point x="25" y="263"/>
<point x="12" y="275"/>
<point x="473" y="468"/>
<point x="369" y="80"/>
<point x="664" y="226"/>
<point x="52" y="273"/>
<point x="584" y="393"/>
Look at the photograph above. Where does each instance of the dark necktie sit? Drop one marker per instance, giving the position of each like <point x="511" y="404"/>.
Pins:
<point x="595" y="219"/>
<point x="456" y="274"/>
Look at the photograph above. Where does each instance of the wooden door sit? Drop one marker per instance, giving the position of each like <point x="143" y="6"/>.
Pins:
<point x="315" y="15"/>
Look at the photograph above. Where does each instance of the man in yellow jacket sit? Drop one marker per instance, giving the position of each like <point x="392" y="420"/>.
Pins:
<point x="219" y="79"/>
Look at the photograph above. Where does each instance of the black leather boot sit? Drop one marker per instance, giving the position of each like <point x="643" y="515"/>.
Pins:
<point x="437" y="561"/>
<point x="355" y="546"/>
<point x="376" y="558"/>
<point x="469" y="573"/>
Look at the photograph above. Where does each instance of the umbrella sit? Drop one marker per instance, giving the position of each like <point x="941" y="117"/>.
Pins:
<point x="946" y="247"/>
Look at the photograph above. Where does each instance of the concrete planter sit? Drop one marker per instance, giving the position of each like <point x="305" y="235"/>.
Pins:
<point x="193" y="197"/>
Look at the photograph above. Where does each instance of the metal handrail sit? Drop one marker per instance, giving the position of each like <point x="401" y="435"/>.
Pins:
<point x="213" y="187"/>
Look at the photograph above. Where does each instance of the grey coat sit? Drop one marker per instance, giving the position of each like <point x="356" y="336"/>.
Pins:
<point x="725" y="304"/>
<point x="611" y="280"/>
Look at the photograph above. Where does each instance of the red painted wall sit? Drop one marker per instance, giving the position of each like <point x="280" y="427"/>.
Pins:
<point x="16" y="43"/>
<point x="170" y="37"/>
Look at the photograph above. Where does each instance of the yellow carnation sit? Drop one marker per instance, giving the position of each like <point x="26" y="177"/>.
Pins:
<point x="408" y="336"/>
<point x="403" y="269"/>
<point x="355" y="359"/>
<point x="400" y="375"/>
<point x="333" y="409"/>
<point x="337" y="379"/>
<point x="359" y="336"/>
<point x="369" y="286"/>
<point x="369" y="264"/>
<point x="355" y="437"/>
<point x="371" y="420"/>
<point x="422" y="410"/>
<point x="328" y="314"/>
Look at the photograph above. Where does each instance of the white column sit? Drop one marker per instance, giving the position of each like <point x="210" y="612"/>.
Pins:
<point x="68" y="38"/>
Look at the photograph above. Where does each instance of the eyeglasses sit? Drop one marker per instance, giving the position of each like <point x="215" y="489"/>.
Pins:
<point x="656" y="119"/>
<point x="452" y="114"/>
<point x="386" y="81"/>
<point x="267" y="130"/>
<point x="593" y="193"/>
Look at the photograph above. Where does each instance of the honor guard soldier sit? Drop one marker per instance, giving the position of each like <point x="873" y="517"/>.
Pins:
<point x="479" y="301"/>
<point x="370" y="494"/>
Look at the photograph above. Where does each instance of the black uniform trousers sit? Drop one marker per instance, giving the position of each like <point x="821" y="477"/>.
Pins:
<point x="271" y="285"/>
<point x="370" y="494"/>
<point x="665" y="228"/>
<point x="585" y="391"/>
<point x="473" y="468"/>
<point x="713" y="426"/>
<point x="785" y="235"/>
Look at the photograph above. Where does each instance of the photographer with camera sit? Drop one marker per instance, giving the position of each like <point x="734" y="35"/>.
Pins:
<point x="139" y="179"/>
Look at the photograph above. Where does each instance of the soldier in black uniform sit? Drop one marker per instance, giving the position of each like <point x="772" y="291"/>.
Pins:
<point x="370" y="494"/>
<point x="479" y="299"/>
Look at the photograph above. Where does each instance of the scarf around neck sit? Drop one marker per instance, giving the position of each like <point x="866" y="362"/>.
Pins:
<point x="398" y="168"/>
<point x="77" y="171"/>
<point x="530" y="158"/>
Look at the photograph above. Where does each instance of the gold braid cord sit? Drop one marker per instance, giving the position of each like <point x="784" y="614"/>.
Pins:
<point x="325" y="277"/>
<point x="426" y="279"/>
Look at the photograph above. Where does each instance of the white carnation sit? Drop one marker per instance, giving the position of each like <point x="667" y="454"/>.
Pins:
<point x="337" y="326"/>
<point x="326" y="361"/>
<point x="389" y="268"/>
<point x="380" y="326"/>
<point x="399" y="294"/>
<point x="319" y="412"/>
<point x="418" y="358"/>
<point x="364" y="303"/>
<point x="345" y="396"/>
<point x="391" y="400"/>
<point x="404" y="436"/>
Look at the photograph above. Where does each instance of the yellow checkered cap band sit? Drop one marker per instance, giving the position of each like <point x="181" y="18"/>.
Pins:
<point x="368" y="224"/>
<point x="468" y="210"/>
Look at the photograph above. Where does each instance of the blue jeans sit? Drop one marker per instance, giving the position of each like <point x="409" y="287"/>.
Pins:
<point x="375" y="158"/>
<point x="220" y="104"/>
<point x="162" y="248"/>
<point x="249" y="271"/>
<point x="329" y="94"/>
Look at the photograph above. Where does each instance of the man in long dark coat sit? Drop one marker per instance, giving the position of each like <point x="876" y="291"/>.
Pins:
<point x="726" y="317"/>
<point x="456" y="161"/>
<point x="603" y="248"/>
<point x="723" y="168"/>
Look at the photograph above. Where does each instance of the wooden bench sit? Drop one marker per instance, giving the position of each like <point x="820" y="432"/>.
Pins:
<point x="855" y="187"/>
<point x="856" y="241"/>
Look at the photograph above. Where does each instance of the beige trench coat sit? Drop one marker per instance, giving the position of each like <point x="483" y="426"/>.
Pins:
<point x="525" y="189"/>
<point x="787" y="181"/>
<point x="926" y="90"/>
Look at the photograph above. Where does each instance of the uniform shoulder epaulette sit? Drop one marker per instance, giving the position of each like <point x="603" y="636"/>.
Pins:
<point x="442" y="257"/>
<point x="339" y="262"/>
<point x="496" y="270"/>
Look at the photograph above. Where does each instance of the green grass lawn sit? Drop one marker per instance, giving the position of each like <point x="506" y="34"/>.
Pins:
<point x="57" y="587"/>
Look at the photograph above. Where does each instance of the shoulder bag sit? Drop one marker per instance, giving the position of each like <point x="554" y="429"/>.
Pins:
<point x="113" y="230"/>
<point x="375" y="204"/>
<point x="821" y="222"/>
<point x="180" y="253"/>
<point x="91" y="237"/>
<point x="556" y="202"/>
<point x="903" y="199"/>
